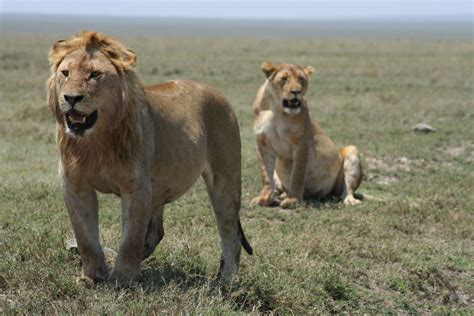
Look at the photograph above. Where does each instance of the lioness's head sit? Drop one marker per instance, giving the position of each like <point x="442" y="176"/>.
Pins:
<point x="87" y="83"/>
<point x="289" y="83"/>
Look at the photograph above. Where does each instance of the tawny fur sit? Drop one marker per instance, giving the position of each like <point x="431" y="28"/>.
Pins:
<point x="296" y="158"/>
<point x="148" y="146"/>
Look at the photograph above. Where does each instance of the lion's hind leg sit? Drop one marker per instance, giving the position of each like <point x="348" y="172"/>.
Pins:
<point x="352" y="174"/>
<point x="155" y="231"/>
<point x="224" y="190"/>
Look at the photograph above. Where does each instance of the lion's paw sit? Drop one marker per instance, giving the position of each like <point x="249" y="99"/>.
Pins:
<point x="85" y="281"/>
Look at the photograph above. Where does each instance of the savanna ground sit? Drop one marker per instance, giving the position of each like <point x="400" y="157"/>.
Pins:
<point x="411" y="252"/>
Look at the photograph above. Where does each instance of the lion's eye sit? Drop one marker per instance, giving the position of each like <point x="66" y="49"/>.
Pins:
<point x="65" y="73"/>
<point x="284" y="79"/>
<point x="302" y="80"/>
<point x="95" y="75"/>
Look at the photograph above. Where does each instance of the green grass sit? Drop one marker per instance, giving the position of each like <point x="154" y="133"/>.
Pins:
<point x="412" y="252"/>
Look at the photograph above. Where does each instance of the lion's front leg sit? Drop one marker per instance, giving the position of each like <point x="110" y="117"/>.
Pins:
<point x="81" y="203"/>
<point x="136" y="212"/>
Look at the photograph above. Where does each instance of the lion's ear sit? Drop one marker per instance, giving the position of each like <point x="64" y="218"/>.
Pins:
<point x="53" y="99"/>
<point x="121" y="57"/>
<point x="308" y="70"/>
<point x="57" y="53"/>
<point x="129" y="58"/>
<point x="268" y="69"/>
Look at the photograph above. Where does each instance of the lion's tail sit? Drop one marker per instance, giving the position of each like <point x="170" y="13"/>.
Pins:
<point x="245" y="243"/>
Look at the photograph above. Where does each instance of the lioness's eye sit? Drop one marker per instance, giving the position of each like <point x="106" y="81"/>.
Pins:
<point x="284" y="79"/>
<point x="95" y="75"/>
<point x="65" y="73"/>
<point x="302" y="80"/>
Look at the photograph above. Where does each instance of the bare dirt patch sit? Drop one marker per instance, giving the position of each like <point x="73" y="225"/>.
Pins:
<point x="386" y="170"/>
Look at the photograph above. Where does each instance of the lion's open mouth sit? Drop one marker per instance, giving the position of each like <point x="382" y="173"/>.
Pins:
<point x="78" y="122"/>
<point x="291" y="104"/>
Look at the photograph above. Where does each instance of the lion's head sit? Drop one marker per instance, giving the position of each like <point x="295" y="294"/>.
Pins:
<point x="89" y="77"/>
<point x="288" y="83"/>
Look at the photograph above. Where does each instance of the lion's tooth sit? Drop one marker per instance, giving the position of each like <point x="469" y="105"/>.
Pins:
<point x="83" y="119"/>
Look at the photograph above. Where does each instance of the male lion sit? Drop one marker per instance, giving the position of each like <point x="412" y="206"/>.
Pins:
<point x="295" y="155"/>
<point x="146" y="145"/>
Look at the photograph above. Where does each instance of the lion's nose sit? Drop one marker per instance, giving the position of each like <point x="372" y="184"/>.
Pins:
<point x="73" y="99"/>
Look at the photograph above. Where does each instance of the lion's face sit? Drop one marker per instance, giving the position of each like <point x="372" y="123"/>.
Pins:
<point x="86" y="87"/>
<point x="288" y="83"/>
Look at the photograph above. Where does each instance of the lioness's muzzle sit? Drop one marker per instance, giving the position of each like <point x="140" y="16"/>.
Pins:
<point x="291" y="104"/>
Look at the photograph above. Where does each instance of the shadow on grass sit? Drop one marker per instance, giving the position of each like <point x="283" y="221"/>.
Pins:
<point x="253" y="297"/>
<point x="325" y="201"/>
<point x="185" y="274"/>
<point x="188" y="274"/>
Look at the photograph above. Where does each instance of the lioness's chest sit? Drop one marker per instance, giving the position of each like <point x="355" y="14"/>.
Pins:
<point x="274" y="133"/>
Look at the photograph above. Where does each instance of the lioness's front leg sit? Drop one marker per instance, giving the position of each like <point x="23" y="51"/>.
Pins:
<point x="267" y="159"/>
<point x="298" y="176"/>
<point x="136" y="212"/>
<point x="81" y="203"/>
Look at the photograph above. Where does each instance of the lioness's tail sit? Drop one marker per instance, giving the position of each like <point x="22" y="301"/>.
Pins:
<point x="365" y="197"/>
<point x="245" y="243"/>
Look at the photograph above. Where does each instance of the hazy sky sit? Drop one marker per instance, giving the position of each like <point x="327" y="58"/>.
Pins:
<point x="303" y="9"/>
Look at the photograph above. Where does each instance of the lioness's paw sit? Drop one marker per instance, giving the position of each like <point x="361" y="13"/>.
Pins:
<point x="263" y="201"/>
<point x="289" y="202"/>
<point x="351" y="200"/>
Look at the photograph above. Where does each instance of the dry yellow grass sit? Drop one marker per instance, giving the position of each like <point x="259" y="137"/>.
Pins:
<point x="410" y="253"/>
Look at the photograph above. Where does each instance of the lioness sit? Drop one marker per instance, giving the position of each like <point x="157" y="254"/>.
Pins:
<point x="295" y="155"/>
<point x="147" y="145"/>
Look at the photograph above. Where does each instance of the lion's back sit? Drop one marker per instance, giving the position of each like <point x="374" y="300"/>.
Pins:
<point x="177" y="98"/>
<point x="195" y="110"/>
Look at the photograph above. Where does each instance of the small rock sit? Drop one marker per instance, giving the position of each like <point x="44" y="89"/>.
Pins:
<point x="71" y="245"/>
<point x="404" y="160"/>
<point x="109" y="252"/>
<point x="424" y="128"/>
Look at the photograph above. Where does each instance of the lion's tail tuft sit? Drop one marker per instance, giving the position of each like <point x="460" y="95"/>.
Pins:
<point x="245" y="243"/>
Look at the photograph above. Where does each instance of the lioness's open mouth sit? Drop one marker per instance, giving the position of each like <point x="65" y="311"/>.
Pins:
<point x="291" y="104"/>
<point x="78" y="122"/>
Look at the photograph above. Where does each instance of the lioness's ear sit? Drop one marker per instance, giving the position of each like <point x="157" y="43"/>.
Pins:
<point x="308" y="70"/>
<point x="268" y="69"/>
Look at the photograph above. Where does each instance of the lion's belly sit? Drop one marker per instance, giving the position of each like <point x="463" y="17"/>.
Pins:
<point x="177" y="168"/>
<point x="171" y="183"/>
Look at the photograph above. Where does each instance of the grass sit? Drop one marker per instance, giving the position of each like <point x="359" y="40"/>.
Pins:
<point x="412" y="252"/>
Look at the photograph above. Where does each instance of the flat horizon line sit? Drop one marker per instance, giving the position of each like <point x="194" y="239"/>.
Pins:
<point x="456" y="18"/>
